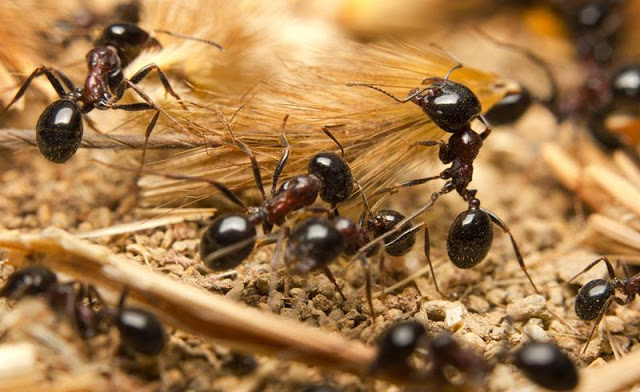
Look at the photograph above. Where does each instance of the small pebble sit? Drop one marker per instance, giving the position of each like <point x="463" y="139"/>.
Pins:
<point x="528" y="307"/>
<point x="536" y="333"/>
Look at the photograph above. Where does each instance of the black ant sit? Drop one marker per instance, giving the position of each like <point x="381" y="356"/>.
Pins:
<point x="139" y="329"/>
<point x="546" y="365"/>
<point x="316" y="242"/>
<point x="59" y="128"/>
<point x="452" y="106"/>
<point x="593" y="299"/>
<point x="397" y="344"/>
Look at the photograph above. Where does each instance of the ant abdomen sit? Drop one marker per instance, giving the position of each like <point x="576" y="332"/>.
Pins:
<point x="510" y="108"/>
<point x="397" y="343"/>
<point x="450" y="105"/>
<point x="59" y="130"/>
<point x="546" y="365"/>
<point x="397" y="244"/>
<point x="313" y="244"/>
<point x="141" y="331"/>
<point x="32" y="280"/>
<point x="470" y="238"/>
<point x="592" y="297"/>
<point x="225" y="231"/>
<point x="127" y="38"/>
<point x="335" y="175"/>
<point x="626" y="83"/>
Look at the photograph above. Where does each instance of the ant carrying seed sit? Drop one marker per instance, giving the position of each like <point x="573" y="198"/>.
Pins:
<point x="59" y="128"/>
<point x="546" y="365"/>
<point x="594" y="298"/>
<point x="452" y="106"/>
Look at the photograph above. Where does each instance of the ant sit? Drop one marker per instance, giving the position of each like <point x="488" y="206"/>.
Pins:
<point x="397" y="343"/>
<point x="593" y="299"/>
<point x="316" y="242"/>
<point x="452" y="106"/>
<point x="59" y="128"/>
<point x="546" y="365"/>
<point x="139" y="329"/>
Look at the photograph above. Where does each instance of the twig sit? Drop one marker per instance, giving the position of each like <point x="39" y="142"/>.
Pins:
<point x="16" y="138"/>
<point x="615" y="376"/>
<point x="197" y="311"/>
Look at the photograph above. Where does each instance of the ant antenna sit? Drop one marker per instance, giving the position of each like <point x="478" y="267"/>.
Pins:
<point x="218" y="185"/>
<point x="186" y="37"/>
<point x="325" y="129"/>
<point x="246" y="150"/>
<point x="550" y="102"/>
<point x="283" y="160"/>
<point x="449" y="54"/>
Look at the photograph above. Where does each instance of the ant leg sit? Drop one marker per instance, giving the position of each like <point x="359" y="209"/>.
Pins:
<point x="326" y="131"/>
<point x="593" y="330"/>
<point x="399" y="225"/>
<point x="388" y="94"/>
<point x="140" y="106"/>
<point x="254" y="163"/>
<point x="283" y="160"/>
<point x="65" y="79"/>
<point x="495" y="219"/>
<point x="427" y="253"/>
<point x="333" y="280"/>
<point x="487" y="127"/>
<point x="218" y="185"/>
<point x="144" y="71"/>
<point x="443" y="149"/>
<point x="368" y="290"/>
<point x="42" y="70"/>
<point x="406" y="184"/>
<point x="150" y="101"/>
<point x="612" y="274"/>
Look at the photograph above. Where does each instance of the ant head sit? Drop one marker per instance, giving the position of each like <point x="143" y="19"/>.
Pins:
<point x="398" y="342"/>
<point x="141" y="331"/>
<point x="335" y="174"/>
<point x="470" y="237"/>
<point x="313" y="244"/>
<point x="397" y="244"/>
<point x="449" y="104"/>
<point x="31" y="280"/>
<point x="592" y="297"/>
<point x="510" y="108"/>
<point x="59" y="130"/>
<point x="225" y="231"/>
<point x="626" y="83"/>
<point x="547" y="366"/>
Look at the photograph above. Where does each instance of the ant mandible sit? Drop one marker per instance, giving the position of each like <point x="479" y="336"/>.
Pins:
<point x="593" y="299"/>
<point x="59" y="128"/>
<point x="452" y="106"/>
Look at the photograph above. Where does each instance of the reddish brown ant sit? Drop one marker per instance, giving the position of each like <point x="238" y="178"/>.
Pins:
<point x="59" y="129"/>
<point x="593" y="299"/>
<point x="452" y="106"/>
